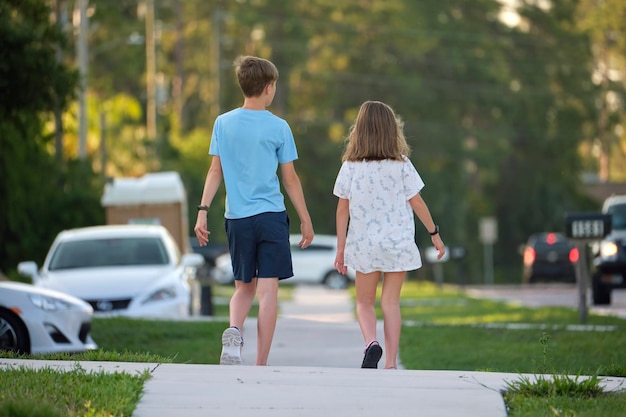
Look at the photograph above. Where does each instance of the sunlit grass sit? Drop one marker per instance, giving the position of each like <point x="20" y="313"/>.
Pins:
<point x="562" y="395"/>
<point x="425" y="302"/>
<point x="608" y="405"/>
<point x="428" y="290"/>
<point x="50" y="393"/>
<point x="469" y="348"/>
<point x="443" y="331"/>
<point x="98" y="355"/>
<point x="183" y="342"/>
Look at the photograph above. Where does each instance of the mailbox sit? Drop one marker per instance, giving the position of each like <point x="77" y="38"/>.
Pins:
<point x="587" y="225"/>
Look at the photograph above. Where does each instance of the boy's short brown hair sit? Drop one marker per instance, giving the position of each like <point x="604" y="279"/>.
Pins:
<point x="254" y="74"/>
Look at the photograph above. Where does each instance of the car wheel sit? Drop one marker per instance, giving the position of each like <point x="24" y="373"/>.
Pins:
<point x="601" y="295"/>
<point x="336" y="281"/>
<point x="13" y="334"/>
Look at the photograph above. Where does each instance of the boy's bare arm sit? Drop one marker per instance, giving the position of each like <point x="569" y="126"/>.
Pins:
<point x="421" y="210"/>
<point x="211" y="185"/>
<point x="293" y="187"/>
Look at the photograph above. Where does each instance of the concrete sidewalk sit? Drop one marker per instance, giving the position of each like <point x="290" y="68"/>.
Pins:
<point x="314" y="371"/>
<point x="204" y="390"/>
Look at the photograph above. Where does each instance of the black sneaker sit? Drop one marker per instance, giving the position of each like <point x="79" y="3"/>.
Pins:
<point x="372" y="356"/>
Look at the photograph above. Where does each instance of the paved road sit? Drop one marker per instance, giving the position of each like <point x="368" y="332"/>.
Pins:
<point x="557" y="295"/>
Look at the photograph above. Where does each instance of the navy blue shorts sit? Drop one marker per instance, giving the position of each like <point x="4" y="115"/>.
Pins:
<point x="259" y="246"/>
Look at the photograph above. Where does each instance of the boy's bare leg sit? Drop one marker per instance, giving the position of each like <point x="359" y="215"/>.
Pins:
<point x="240" y="303"/>
<point x="366" y="285"/>
<point x="390" y="304"/>
<point x="267" y="293"/>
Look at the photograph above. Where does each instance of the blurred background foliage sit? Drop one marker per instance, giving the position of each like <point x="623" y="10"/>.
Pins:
<point x="508" y="105"/>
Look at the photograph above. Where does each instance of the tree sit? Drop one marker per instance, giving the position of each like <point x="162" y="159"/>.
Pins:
<point x="495" y="114"/>
<point x="538" y="180"/>
<point x="36" y="199"/>
<point x="604" y="22"/>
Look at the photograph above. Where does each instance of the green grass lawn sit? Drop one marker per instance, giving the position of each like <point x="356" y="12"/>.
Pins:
<point x="608" y="405"/>
<point x="50" y="393"/>
<point x="444" y="330"/>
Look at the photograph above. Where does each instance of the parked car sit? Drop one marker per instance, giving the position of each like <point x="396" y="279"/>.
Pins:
<point x="35" y="320"/>
<point x="609" y="255"/>
<point x="549" y="257"/>
<point x="313" y="265"/>
<point x="129" y="270"/>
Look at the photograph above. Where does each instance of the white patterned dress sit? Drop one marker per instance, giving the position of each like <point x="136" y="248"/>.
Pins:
<point x="381" y="231"/>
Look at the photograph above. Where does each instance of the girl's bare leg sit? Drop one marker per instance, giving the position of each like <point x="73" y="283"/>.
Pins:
<point x="390" y="304"/>
<point x="366" y="285"/>
<point x="267" y="293"/>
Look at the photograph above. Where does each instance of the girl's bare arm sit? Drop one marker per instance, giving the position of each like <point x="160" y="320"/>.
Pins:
<point x="421" y="210"/>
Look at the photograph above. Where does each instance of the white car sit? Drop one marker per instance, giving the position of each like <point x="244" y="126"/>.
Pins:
<point x="313" y="265"/>
<point x="36" y="321"/>
<point x="126" y="270"/>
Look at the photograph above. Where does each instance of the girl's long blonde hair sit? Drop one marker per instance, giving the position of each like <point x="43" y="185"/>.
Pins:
<point x="377" y="134"/>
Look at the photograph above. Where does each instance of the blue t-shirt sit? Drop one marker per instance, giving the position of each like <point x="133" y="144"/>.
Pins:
<point x="251" y="144"/>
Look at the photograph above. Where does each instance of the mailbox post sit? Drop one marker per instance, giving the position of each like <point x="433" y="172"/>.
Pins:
<point x="583" y="228"/>
<point x="488" y="235"/>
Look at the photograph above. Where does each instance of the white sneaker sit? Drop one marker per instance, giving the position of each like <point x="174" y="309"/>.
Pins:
<point x="231" y="347"/>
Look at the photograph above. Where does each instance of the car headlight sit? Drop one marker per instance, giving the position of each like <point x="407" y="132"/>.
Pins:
<point x="161" y="295"/>
<point x="608" y="249"/>
<point x="49" y="303"/>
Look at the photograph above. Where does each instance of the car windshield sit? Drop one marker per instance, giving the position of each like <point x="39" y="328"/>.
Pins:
<point x="108" y="252"/>
<point x="618" y="216"/>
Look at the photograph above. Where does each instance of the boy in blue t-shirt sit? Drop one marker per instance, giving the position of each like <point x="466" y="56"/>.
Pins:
<point x="247" y="145"/>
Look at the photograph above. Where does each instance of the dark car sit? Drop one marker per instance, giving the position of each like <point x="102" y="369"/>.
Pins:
<point x="549" y="257"/>
<point x="609" y="255"/>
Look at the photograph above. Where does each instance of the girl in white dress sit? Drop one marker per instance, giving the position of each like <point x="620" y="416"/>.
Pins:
<point x="379" y="190"/>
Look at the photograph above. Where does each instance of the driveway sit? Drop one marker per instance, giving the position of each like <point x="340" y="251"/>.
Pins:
<point x="555" y="295"/>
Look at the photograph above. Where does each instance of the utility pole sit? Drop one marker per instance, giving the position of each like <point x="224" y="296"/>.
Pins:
<point x="60" y="21"/>
<point x="178" y="84"/>
<point x="216" y="61"/>
<point x="83" y="65"/>
<point x="603" y="113"/>
<point x="103" y="145"/>
<point x="151" y="122"/>
<point x="488" y="234"/>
